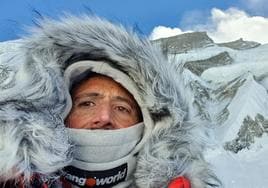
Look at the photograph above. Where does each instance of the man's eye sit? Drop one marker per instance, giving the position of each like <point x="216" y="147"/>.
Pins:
<point x="122" y="109"/>
<point x="86" y="104"/>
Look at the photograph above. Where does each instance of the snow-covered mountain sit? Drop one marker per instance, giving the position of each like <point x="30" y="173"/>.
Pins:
<point x="9" y="46"/>
<point x="230" y="83"/>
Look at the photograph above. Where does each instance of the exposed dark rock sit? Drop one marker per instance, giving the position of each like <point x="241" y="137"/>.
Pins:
<point x="228" y="90"/>
<point x="184" y="42"/>
<point x="240" y="44"/>
<point x="250" y="130"/>
<point x="201" y="96"/>
<point x="223" y="115"/>
<point x="199" y="66"/>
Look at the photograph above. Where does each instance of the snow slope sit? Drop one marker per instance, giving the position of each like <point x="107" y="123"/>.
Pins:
<point x="248" y="167"/>
<point x="9" y="46"/>
<point x="230" y="72"/>
<point x="250" y="99"/>
<point x="246" y="170"/>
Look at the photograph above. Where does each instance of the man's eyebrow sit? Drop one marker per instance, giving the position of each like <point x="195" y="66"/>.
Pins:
<point x="93" y="94"/>
<point x="124" y="99"/>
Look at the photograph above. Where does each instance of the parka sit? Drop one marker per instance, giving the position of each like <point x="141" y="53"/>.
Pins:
<point x="33" y="137"/>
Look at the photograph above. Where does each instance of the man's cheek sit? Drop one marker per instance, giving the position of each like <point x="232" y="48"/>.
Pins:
<point x="80" y="121"/>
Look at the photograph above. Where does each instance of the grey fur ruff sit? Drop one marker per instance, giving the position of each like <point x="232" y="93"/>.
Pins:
<point x="32" y="130"/>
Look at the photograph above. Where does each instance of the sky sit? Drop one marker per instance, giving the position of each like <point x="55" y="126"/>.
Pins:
<point x="224" y="21"/>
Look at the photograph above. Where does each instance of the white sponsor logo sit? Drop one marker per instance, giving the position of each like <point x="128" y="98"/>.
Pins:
<point x="79" y="181"/>
<point x="97" y="181"/>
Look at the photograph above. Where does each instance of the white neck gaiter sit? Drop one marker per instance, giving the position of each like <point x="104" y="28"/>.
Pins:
<point x="104" y="158"/>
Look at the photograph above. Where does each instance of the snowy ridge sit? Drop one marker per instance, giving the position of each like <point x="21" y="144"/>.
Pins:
<point x="230" y="72"/>
<point x="9" y="46"/>
<point x="240" y="44"/>
<point x="201" y="91"/>
<point x="199" y="66"/>
<point x="184" y="42"/>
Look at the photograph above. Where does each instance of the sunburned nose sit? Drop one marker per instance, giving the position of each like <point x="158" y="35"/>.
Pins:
<point x="103" y="118"/>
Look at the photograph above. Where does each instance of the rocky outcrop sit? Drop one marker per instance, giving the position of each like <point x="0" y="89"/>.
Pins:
<point x="240" y="44"/>
<point x="249" y="131"/>
<point x="199" y="66"/>
<point x="184" y="42"/>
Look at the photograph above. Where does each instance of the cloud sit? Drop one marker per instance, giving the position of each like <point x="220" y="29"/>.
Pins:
<point x="164" y="32"/>
<point x="233" y="24"/>
<point x="225" y="26"/>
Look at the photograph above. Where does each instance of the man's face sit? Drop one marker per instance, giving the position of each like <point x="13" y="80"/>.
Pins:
<point x="102" y="103"/>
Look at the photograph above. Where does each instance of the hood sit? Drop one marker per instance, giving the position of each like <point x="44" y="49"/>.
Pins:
<point x="34" y="102"/>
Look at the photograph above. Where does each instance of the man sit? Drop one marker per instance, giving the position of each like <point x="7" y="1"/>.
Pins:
<point x="103" y="154"/>
<point x="127" y="123"/>
<point x="101" y="103"/>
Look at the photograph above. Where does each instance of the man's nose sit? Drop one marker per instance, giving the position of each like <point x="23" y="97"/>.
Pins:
<point x="103" y="119"/>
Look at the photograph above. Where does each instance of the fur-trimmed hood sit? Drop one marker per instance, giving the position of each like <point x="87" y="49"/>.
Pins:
<point x="33" y="97"/>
